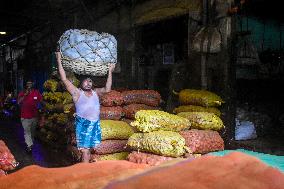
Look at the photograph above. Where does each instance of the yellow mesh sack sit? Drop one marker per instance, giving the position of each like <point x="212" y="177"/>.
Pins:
<point x="112" y="129"/>
<point x="193" y="108"/>
<point x="153" y="120"/>
<point x="165" y="143"/>
<point x="114" y="156"/>
<point x="199" y="97"/>
<point x="203" y="120"/>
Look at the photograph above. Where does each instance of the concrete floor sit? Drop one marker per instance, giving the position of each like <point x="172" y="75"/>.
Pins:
<point x="11" y="132"/>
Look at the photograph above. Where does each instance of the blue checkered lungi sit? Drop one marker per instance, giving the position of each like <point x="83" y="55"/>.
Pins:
<point x="88" y="133"/>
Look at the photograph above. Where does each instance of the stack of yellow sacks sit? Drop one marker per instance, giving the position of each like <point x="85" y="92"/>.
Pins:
<point x="114" y="138"/>
<point x="200" y="108"/>
<point x="157" y="137"/>
<point x="117" y="109"/>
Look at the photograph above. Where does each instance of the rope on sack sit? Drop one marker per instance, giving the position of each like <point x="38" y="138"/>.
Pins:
<point x="103" y="36"/>
<point x="81" y="65"/>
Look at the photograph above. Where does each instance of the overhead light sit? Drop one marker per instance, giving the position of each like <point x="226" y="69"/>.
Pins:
<point x="3" y="33"/>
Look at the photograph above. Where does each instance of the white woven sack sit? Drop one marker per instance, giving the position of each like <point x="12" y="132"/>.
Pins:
<point x="245" y="130"/>
<point x="87" y="52"/>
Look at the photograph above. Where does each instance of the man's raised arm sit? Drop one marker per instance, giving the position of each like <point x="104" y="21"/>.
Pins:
<point x="68" y="84"/>
<point x="108" y="85"/>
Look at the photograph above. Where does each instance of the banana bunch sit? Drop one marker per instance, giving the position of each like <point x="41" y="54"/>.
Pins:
<point x="153" y="120"/>
<point x="67" y="108"/>
<point x="67" y="98"/>
<point x="54" y="97"/>
<point x="50" y="85"/>
<point x="199" y="97"/>
<point x="49" y="106"/>
<point x="193" y="108"/>
<point x="112" y="129"/>
<point x="203" y="120"/>
<point x="165" y="143"/>
<point x="62" y="118"/>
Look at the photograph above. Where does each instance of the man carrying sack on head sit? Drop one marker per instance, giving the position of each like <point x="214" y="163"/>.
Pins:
<point x="86" y="100"/>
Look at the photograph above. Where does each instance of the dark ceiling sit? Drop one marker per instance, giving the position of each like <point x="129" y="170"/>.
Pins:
<point x="17" y="17"/>
<point x="20" y="16"/>
<point x="264" y="9"/>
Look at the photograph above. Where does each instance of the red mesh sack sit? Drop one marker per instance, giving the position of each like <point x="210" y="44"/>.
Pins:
<point x="110" y="146"/>
<point x="7" y="160"/>
<point x="113" y="113"/>
<point x="121" y="89"/>
<point x="78" y="176"/>
<point x="232" y="171"/>
<point x="130" y="110"/>
<point x="146" y="158"/>
<point x="203" y="141"/>
<point x="148" y="97"/>
<point x="113" y="98"/>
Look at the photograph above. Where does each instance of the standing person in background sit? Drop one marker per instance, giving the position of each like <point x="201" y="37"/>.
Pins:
<point x="29" y="99"/>
<point x="87" y="120"/>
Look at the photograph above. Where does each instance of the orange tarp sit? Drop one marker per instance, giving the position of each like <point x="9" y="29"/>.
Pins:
<point x="81" y="176"/>
<point x="234" y="171"/>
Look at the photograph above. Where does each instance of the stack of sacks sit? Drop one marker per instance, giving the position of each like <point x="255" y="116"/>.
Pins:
<point x="135" y="100"/>
<point x="57" y="119"/>
<point x="7" y="160"/>
<point x="199" y="107"/>
<point x="192" y="100"/>
<point x="114" y="139"/>
<point x="111" y="105"/>
<point x="158" y="136"/>
<point x="123" y="105"/>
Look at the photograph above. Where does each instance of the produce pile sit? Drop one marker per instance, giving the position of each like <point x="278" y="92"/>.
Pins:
<point x="114" y="138"/>
<point x="200" y="108"/>
<point x="7" y="160"/>
<point x="117" y="105"/>
<point x="117" y="112"/>
<point x="135" y="128"/>
<point x="56" y="123"/>
<point x="192" y="132"/>
<point x="157" y="137"/>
